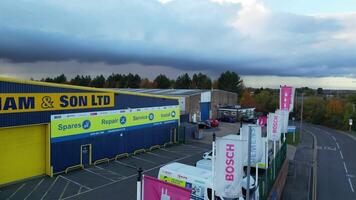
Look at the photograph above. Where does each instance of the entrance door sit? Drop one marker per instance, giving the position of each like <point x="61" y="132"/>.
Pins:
<point x="85" y="151"/>
<point x="204" y="111"/>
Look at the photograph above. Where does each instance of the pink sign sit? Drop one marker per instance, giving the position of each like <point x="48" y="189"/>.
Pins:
<point x="262" y="121"/>
<point x="154" y="189"/>
<point x="286" y="94"/>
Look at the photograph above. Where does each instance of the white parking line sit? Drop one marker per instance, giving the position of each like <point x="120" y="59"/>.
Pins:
<point x="342" y="157"/>
<point x="175" y="152"/>
<point x="64" y="190"/>
<point x="125" y="164"/>
<point x="194" y="147"/>
<point x="50" y="187"/>
<point x="128" y="177"/>
<point x="35" y="188"/>
<point x="100" y="175"/>
<point x="18" y="189"/>
<point x="109" y="171"/>
<point x="345" y="168"/>
<point x="70" y="180"/>
<point x="158" y="155"/>
<point x="337" y="144"/>
<point x="142" y="159"/>
<point x="352" y="188"/>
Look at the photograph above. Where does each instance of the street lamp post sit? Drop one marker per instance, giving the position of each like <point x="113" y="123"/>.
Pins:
<point x="301" y="118"/>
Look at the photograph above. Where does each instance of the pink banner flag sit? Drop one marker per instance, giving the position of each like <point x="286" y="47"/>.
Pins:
<point x="154" y="189"/>
<point x="286" y="95"/>
<point x="262" y="121"/>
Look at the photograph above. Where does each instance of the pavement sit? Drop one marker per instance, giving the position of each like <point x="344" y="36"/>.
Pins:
<point x="298" y="183"/>
<point x="223" y="129"/>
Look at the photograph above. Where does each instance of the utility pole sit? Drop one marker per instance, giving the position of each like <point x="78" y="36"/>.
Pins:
<point x="248" y="163"/>
<point x="301" y="118"/>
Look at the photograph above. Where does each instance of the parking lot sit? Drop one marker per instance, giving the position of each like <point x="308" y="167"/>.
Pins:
<point x="113" y="180"/>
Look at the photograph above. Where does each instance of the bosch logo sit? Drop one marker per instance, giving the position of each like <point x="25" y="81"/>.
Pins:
<point x="123" y="120"/>
<point x="86" y="124"/>
<point x="151" y="116"/>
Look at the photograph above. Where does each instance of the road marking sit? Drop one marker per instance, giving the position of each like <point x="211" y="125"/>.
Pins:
<point x="109" y="171"/>
<point x="74" y="182"/>
<point x="50" y="187"/>
<point x="99" y="175"/>
<point x="142" y="159"/>
<point x="352" y="188"/>
<point x="350" y="175"/>
<point x="128" y="177"/>
<point x="125" y="164"/>
<point x="159" y="155"/>
<point x="337" y="144"/>
<point x="18" y="189"/>
<point x="333" y="138"/>
<point x="64" y="190"/>
<point x="194" y="147"/>
<point x="342" y="157"/>
<point x="345" y="167"/>
<point x="35" y="188"/>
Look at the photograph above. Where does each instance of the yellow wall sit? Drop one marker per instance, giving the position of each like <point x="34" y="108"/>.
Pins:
<point x="22" y="152"/>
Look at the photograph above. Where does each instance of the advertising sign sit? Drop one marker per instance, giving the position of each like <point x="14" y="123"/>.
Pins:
<point x="88" y="124"/>
<point x="156" y="189"/>
<point x="256" y="142"/>
<point x="284" y="119"/>
<point x="286" y="98"/>
<point x="273" y="127"/>
<point x="38" y="102"/>
<point x="228" y="170"/>
<point x="262" y="121"/>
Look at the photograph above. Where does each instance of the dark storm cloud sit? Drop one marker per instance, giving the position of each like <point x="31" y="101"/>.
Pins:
<point x="186" y="35"/>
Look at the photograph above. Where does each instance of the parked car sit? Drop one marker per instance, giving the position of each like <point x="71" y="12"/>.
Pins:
<point x="214" y="122"/>
<point x="204" y="125"/>
<point x="229" y="119"/>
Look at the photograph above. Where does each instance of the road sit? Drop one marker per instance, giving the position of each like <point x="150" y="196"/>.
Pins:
<point x="336" y="161"/>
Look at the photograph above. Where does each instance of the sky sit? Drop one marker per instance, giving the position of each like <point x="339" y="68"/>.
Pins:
<point x="296" y="42"/>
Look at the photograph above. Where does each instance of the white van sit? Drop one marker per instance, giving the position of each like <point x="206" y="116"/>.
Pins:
<point x="197" y="179"/>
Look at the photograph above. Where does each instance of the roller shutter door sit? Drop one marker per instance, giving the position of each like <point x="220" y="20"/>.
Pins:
<point x="22" y="153"/>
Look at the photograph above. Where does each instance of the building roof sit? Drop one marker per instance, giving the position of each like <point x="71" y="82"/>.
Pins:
<point x="165" y="92"/>
<point x="13" y="80"/>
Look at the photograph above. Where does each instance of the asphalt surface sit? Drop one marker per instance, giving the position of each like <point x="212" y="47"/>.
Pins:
<point x="114" y="180"/>
<point x="336" y="163"/>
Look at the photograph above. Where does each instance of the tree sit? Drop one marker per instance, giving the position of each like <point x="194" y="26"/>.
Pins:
<point x="145" y="83"/>
<point x="314" y="110"/>
<point x="230" y="81"/>
<point x="162" y="82"/>
<point x="113" y="81"/>
<point x="58" y="79"/>
<point x="201" y="81"/>
<point x="133" y="81"/>
<point x="266" y="101"/>
<point x="183" y="82"/>
<point x="319" y="91"/>
<point x="334" y="113"/>
<point x="81" y="80"/>
<point x="98" y="82"/>
<point x="247" y="100"/>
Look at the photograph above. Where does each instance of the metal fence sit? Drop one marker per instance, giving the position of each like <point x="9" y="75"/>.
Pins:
<point x="267" y="179"/>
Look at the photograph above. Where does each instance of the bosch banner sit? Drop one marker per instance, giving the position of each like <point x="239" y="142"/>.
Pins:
<point x="156" y="189"/>
<point x="256" y="142"/>
<point x="67" y="126"/>
<point x="228" y="169"/>
<point x="39" y="102"/>
<point x="273" y="127"/>
<point x="262" y="121"/>
<point x="286" y="98"/>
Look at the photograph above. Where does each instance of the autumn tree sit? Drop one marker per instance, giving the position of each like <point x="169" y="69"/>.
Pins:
<point x="334" y="113"/>
<point x="247" y="101"/>
<point x="146" y="83"/>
